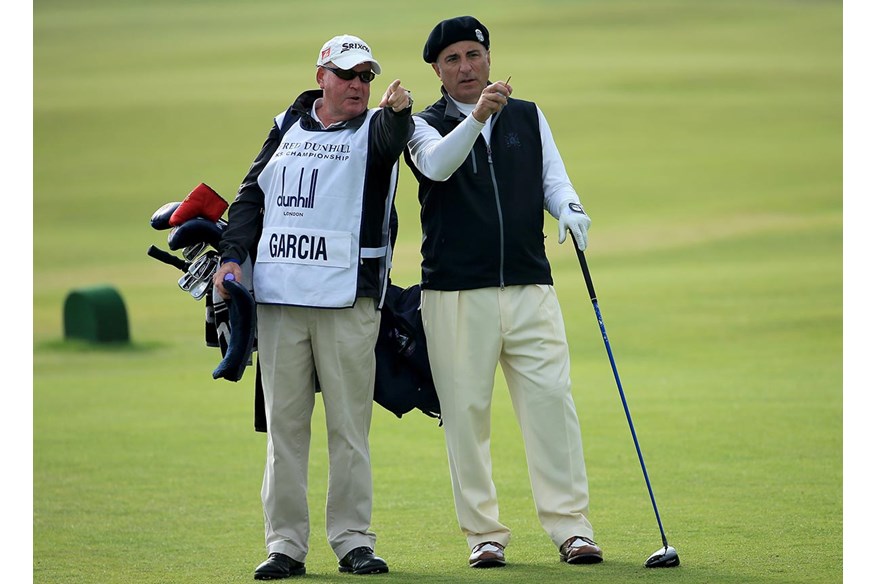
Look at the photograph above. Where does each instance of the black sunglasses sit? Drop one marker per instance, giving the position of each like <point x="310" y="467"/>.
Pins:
<point x="349" y="74"/>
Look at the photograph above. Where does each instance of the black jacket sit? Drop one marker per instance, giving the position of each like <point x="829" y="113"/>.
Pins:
<point x="389" y="134"/>
<point x="483" y="226"/>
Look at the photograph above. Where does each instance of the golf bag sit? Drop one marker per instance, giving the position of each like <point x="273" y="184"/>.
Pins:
<point x="403" y="380"/>
<point x="194" y="225"/>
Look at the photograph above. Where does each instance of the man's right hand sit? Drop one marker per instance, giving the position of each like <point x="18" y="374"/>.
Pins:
<point x="396" y="97"/>
<point x="232" y="268"/>
<point x="493" y="98"/>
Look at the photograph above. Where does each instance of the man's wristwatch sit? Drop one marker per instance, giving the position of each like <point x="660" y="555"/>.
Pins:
<point x="576" y="208"/>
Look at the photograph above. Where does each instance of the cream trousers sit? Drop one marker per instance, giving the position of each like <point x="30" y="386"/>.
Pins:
<point x="468" y="334"/>
<point x="337" y="345"/>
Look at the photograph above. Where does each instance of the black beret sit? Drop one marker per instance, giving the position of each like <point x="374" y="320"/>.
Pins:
<point x="453" y="30"/>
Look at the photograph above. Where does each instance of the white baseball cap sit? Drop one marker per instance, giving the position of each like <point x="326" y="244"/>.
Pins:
<point x="346" y="51"/>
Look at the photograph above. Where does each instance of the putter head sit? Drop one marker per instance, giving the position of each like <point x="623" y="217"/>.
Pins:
<point x="665" y="557"/>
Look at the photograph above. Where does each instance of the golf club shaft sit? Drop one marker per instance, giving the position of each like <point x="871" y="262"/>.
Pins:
<point x="589" y="281"/>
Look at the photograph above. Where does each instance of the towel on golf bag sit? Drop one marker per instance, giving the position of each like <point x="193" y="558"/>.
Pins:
<point x="217" y="323"/>
<point x="242" y="319"/>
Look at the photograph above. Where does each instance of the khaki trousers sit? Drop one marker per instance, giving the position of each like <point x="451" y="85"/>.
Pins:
<point x="468" y="334"/>
<point x="338" y="345"/>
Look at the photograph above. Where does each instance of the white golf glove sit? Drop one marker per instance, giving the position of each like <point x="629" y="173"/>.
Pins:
<point x="573" y="218"/>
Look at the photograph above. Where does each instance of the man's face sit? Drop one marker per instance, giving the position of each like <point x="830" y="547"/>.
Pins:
<point x="464" y="69"/>
<point x="344" y="100"/>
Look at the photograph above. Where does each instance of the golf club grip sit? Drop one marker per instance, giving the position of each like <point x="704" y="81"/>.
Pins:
<point x="584" y="270"/>
<point x="167" y="258"/>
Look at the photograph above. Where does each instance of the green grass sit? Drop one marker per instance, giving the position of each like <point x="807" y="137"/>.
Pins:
<point x="705" y="139"/>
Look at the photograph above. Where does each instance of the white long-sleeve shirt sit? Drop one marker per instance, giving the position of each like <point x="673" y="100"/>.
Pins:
<point x="438" y="157"/>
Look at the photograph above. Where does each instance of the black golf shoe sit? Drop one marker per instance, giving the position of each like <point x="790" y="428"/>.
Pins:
<point x="277" y="567"/>
<point x="362" y="561"/>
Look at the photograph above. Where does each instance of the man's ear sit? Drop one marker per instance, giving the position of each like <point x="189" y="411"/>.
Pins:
<point x="320" y="73"/>
<point x="436" y="69"/>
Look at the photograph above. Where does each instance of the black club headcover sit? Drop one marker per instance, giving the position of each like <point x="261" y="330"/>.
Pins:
<point x="197" y="230"/>
<point x="161" y="218"/>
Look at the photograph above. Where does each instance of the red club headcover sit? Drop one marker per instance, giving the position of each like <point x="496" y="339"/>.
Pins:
<point x="201" y="202"/>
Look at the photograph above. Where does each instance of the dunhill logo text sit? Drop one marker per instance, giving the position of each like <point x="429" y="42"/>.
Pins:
<point x="303" y="199"/>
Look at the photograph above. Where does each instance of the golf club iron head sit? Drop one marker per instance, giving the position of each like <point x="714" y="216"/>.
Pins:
<point x="194" y="250"/>
<point x="198" y="278"/>
<point x="186" y="281"/>
<point x="199" y="290"/>
<point x="665" y="557"/>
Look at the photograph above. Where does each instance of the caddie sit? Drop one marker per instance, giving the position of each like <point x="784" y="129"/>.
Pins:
<point x="313" y="213"/>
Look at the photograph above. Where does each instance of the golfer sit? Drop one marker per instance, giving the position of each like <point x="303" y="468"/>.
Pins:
<point x="487" y="169"/>
<point x="313" y="216"/>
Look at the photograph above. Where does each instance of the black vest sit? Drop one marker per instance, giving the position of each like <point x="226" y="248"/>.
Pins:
<point x="483" y="226"/>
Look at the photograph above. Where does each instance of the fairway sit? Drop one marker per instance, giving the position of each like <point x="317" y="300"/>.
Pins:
<point x="705" y="139"/>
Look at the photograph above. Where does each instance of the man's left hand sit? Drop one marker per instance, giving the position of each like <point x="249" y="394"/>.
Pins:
<point x="578" y="222"/>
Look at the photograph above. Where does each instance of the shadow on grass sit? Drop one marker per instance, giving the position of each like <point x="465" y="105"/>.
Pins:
<point x="75" y="346"/>
<point x="607" y="573"/>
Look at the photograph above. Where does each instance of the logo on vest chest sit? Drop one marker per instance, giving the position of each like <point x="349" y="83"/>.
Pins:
<point x="316" y="150"/>
<point x="306" y="195"/>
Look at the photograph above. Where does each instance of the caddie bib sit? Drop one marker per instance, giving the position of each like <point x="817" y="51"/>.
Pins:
<point x="308" y="253"/>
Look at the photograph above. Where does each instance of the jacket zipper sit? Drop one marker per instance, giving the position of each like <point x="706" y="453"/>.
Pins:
<point x="501" y="222"/>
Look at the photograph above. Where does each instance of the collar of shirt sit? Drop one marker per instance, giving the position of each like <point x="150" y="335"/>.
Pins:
<point x="316" y="117"/>
<point x="466" y="109"/>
